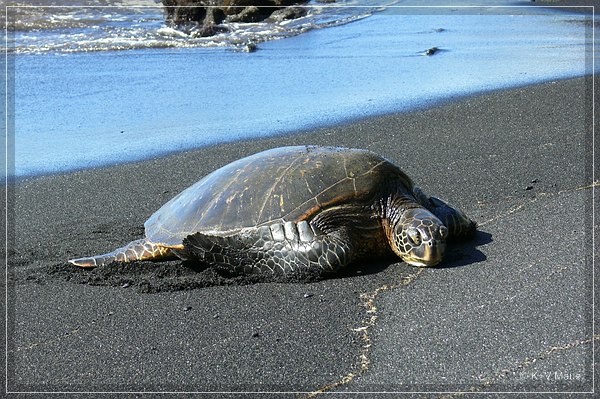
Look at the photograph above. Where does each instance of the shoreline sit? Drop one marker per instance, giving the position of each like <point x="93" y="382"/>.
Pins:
<point x="309" y="132"/>
<point x="512" y="160"/>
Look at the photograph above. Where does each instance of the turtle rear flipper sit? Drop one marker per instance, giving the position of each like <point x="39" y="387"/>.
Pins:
<point x="135" y="250"/>
<point x="279" y="248"/>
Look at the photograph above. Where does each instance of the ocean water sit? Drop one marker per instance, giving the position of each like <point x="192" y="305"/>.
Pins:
<point x="104" y="86"/>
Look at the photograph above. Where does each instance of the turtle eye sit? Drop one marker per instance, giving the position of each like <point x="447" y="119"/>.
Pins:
<point x="444" y="232"/>
<point x="414" y="236"/>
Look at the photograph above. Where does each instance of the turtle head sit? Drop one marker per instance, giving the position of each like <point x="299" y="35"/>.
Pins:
<point x="418" y="237"/>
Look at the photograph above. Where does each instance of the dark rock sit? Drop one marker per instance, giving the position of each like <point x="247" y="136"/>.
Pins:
<point x="247" y="14"/>
<point x="205" y="15"/>
<point x="248" y="48"/>
<point x="432" y="51"/>
<point x="187" y="15"/>
<point x="184" y="12"/>
<point x="287" y="13"/>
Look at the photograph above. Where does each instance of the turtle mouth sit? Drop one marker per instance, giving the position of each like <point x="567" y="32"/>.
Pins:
<point x="426" y="255"/>
<point x="422" y="262"/>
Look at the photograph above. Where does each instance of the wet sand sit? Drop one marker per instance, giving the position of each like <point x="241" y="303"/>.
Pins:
<point x="517" y="161"/>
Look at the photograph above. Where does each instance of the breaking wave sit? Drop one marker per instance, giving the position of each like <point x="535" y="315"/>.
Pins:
<point x="98" y="25"/>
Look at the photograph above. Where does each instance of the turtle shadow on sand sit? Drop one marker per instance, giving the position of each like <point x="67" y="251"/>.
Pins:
<point x="465" y="252"/>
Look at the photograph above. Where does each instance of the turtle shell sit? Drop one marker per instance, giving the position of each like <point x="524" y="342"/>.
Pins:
<point x="281" y="184"/>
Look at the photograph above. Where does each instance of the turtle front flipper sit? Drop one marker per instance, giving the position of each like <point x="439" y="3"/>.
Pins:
<point x="135" y="250"/>
<point x="281" y="248"/>
<point x="459" y="225"/>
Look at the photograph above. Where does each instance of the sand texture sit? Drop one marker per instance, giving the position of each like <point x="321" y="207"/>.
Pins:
<point x="501" y="310"/>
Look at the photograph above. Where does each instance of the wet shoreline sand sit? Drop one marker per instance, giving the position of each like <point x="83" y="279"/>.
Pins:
<point x="517" y="161"/>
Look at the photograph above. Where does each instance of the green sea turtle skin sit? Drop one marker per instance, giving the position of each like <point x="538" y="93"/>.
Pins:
<point x="298" y="208"/>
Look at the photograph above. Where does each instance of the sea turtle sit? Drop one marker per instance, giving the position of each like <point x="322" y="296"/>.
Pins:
<point x="298" y="208"/>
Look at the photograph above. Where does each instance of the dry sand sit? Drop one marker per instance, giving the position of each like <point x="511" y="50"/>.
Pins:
<point x="517" y="161"/>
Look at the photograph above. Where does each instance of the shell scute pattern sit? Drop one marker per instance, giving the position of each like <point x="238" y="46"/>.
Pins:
<point x="288" y="184"/>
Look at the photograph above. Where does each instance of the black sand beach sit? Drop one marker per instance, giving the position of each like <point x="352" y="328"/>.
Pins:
<point x="509" y="311"/>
